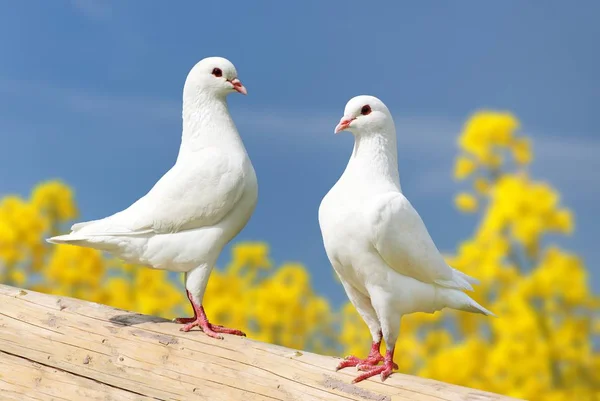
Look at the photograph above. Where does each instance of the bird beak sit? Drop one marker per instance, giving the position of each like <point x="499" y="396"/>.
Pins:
<point x="344" y="124"/>
<point x="238" y="87"/>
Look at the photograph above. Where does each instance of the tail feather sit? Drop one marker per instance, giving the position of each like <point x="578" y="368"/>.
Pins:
<point x="79" y="226"/>
<point x="459" y="281"/>
<point x="67" y="239"/>
<point x="456" y="299"/>
<point x="475" y="307"/>
<point x="95" y="242"/>
<point x="466" y="277"/>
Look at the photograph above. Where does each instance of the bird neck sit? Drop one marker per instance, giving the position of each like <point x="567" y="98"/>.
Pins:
<point x="375" y="159"/>
<point x="207" y="123"/>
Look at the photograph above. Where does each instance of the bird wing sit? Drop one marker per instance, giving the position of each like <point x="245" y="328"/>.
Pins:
<point x="188" y="196"/>
<point x="401" y="238"/>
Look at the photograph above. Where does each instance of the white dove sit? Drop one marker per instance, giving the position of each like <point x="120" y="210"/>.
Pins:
<point x="198" y="206"/>
<point x="378" y="244"/>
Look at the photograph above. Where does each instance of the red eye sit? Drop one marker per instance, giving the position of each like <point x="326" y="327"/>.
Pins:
<point x="366" y="110"/>
<point x="217" y="72"/>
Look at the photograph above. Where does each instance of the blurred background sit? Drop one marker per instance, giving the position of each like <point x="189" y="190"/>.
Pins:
<point x="496" y="111"/>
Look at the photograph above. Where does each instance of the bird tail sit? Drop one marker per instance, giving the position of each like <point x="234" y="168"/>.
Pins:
<point x="75" y="237"/>
<point x="72" y="239"/>
<point x="456" y="299"/>
<point x="83" y="240"/>
<point x="466" y="277"/>
<point x="459" y="281"/>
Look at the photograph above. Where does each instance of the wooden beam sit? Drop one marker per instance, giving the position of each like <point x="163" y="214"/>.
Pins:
<point x="67" y="349"/>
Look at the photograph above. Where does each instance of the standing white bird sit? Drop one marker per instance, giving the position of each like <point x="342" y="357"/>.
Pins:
<point x="198" y="206"/>
<point x="377" y="242"/>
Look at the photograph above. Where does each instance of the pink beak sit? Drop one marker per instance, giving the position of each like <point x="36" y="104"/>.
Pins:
<point x="238" y="87"/>
<point x="344" y="124"/>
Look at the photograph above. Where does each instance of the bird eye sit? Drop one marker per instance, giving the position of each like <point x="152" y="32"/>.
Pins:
<point x="366" y="110"/>
<point x="217" y="72"/>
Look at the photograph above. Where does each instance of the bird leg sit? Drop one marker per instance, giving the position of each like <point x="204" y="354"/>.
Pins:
<point x="373" y="359"/>
<point x="186" y="320"/>
<point x="386" y="369"/>
<point x="200" y="320"/>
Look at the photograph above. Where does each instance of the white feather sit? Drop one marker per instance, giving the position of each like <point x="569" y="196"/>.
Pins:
<point x="376" y="241"/>
<point x="200" y="204"/>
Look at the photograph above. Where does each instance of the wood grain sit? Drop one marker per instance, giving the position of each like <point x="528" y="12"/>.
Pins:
<point x="57" y="348"/>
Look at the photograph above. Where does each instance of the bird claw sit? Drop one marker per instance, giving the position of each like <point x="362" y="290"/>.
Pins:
<point x="205" y="328"/>
<point x="225" y="330"/>
<point x="352" y="360"/>
<point x="385" y="370"/>
<point x="348" y="361"/>
<point x="366" y="367"/>
<point x="211" y="330"/>
<point x="184" y="320"/>
<point x="200" y="320"/>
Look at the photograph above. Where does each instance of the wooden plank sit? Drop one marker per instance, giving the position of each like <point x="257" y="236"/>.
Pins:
<point x="149" y="356"/>
<point x="22" y="379"/>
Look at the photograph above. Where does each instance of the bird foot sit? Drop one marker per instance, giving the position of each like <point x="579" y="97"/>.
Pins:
<point x="211" y="330"/>
<point x="373" y="359"/>
<point x="366" y="367"/>
<point x="385" y="370"/>
<point x="185" y="320"/>
<point x="204" y="326"/>
<point x="200" y="320"/>
<point x="227" y="330"/>
<point x="351" y="360"/>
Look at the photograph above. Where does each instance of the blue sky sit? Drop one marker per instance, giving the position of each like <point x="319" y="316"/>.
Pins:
<point x="90" y="93"/>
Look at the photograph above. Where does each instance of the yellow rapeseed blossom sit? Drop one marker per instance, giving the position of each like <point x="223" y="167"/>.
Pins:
<point x="56" y="199"/>
<point x="466" y="202"/>
<point x="542" y="346"/>
<point x="255" y="256"/>
<point x="280" y="307"/>
<point x="481" y="185"/>
<point x="484" y="133"/>
<point x="521" y="148"/>
<point x="464" y="167"/>
<point x="18" y="277"/>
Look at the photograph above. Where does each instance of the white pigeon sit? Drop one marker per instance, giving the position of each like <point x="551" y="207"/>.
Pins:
<point x="198" y="206"/>
<point x="377" y="242"/>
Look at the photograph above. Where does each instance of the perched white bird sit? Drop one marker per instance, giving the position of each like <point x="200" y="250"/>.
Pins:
<point x="377" y="242"/>
<point x="198" y="206"/>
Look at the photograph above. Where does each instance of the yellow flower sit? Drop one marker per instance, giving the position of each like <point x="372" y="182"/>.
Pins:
<point x="56" y="199"/>
<point x="18" y="277"/>
<point x="120" y="293"/>
<point x="435" y="340"/>
<point x="492" y="160"/>
<point x="464" y="167"/>
<point x="542" y="346"/>
<point x="481" y="185"/>
<point x="562" y="221"/>
<point x="521" y="148"/>
<point x="466" y="202"/>
<point x="485" y="133"/>
<point x="253" y="255"/>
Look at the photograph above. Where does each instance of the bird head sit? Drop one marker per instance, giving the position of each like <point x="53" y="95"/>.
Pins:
<point x="215" y="75"/>
<point x="364" y="114"/>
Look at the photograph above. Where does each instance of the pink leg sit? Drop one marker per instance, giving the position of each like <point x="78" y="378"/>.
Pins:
<point x="373" y="359"/>
<point x="186" y="320"/>
<point x="200" y="320"/>
<point x="386" y="369"/>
